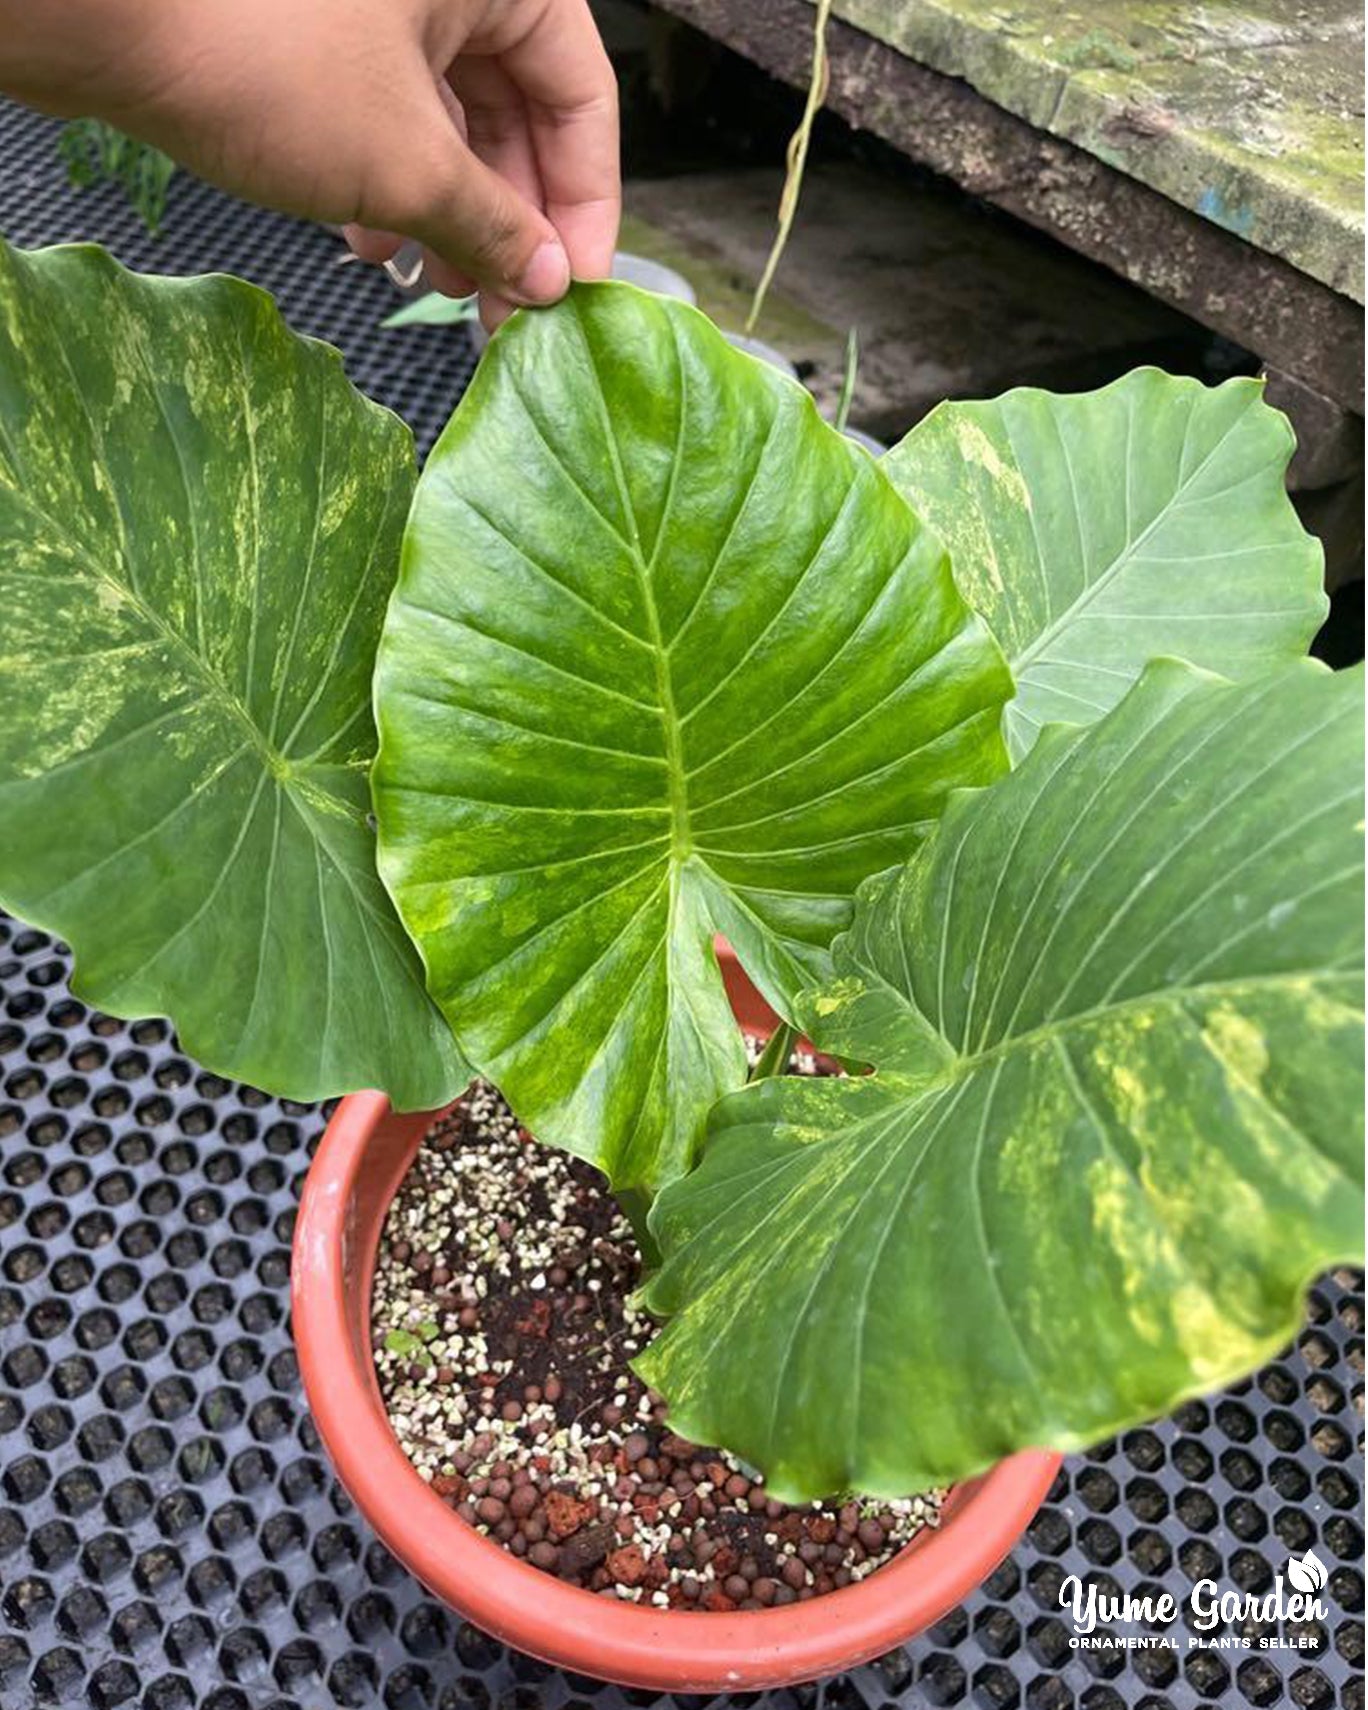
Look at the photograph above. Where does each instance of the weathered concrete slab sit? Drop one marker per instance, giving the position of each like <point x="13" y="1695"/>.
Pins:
<point x="1248" y="114"/>
<point x="948" y="299"/>
<point x="1255" y="297"/>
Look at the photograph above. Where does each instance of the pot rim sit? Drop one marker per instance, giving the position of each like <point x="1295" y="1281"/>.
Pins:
<point x="632" y="1644"/>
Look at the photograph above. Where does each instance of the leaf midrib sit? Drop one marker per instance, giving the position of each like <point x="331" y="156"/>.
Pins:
<point x="1028" y="656"/>
<point x="958" y="1065"/>
<point x="681" y="833"/>
<point x="125" y="592"/>
<point x="213" y="689"/>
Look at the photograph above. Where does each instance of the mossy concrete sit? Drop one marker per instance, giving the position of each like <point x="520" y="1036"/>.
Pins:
<point x="723" y="291"/>
<point x="1249" y="115"/>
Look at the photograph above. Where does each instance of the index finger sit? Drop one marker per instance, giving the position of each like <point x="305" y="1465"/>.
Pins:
<point x="567" y="82"/>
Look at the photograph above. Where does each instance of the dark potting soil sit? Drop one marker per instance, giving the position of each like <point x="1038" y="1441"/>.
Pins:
<point x="502" y="1329"/>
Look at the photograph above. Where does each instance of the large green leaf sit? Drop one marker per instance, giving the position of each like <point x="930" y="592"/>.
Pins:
<point x="668" y="656"/>
<point x="1099" y="531"/>
<point x="199" y="525"/>
<point x="1116" y="1123"/>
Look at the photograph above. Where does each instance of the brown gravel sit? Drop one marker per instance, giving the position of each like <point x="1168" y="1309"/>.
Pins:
<point x="502" y="1331"/>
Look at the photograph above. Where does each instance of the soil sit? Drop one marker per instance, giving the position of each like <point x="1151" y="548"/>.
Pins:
<point x="502" y="1326"/>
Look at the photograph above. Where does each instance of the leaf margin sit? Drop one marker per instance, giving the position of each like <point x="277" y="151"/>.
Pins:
<point x="753" y="1122"/>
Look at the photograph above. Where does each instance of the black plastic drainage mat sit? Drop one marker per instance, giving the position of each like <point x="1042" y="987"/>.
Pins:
<point x="419" y="372"/>
<point x="170" y="1535"/>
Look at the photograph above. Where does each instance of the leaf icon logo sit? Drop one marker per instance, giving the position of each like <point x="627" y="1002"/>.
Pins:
<point x="1307" y="1575"/>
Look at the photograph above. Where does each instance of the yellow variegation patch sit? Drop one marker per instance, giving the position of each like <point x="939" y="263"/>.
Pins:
<point x="1143" y="1137"/>
<point x="199" y="528"/>
<point x="1098" y="531"/>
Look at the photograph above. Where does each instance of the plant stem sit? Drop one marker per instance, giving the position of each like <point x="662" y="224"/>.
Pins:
<point x="852" y="368"/>
<point x="636" y="1205"/>
<point x="797" y="159"/>
<point x="774" y="1058"/>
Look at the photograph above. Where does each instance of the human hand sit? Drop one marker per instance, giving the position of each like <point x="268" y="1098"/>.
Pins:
<point x="485" y="129"/>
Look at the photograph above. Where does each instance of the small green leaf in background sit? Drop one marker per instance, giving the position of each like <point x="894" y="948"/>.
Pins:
<point x="1098" y="531"/>
<point x="97" y="153"/>
<point x="668" y="657"/>
<point x="1116" y="1011"/>
<point x="409" y="1345"/>
<point x="199" y="527"/>
<point x="434" y="310"/>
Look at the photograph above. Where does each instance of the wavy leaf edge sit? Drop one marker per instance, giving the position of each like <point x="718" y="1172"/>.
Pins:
<point x="698" y="1421"/>
<point x="448" y="1074"/>
<point x="696" y="885"/>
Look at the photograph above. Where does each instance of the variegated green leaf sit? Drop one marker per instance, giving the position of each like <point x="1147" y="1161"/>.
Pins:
<point x="1098" y="531"/>
<point x="199" y="526"/>
<point x="1115" y="1006"/>
<point x="668" y="657"/>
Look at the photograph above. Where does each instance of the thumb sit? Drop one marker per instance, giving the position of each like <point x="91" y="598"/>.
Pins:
<point x="437" y="191"/>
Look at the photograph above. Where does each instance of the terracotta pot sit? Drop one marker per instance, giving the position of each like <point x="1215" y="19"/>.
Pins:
<point x="363" y="1157"/>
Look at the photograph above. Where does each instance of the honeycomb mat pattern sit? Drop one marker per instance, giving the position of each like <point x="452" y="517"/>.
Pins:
<point x="419" y="372"/>
<point x="171" y="1537"/>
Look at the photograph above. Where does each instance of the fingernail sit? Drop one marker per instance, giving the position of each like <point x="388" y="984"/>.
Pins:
<point x="546" y="277"/>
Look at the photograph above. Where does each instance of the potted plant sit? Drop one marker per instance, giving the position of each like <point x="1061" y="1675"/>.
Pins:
<point x="667" y="657"/>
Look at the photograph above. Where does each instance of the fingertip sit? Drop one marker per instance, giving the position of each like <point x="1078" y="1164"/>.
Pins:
<point x="546" y="277"/>
<point x="494" y="310"/>
<point x="589" y="231"/>
<point x="368" y="244"/>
